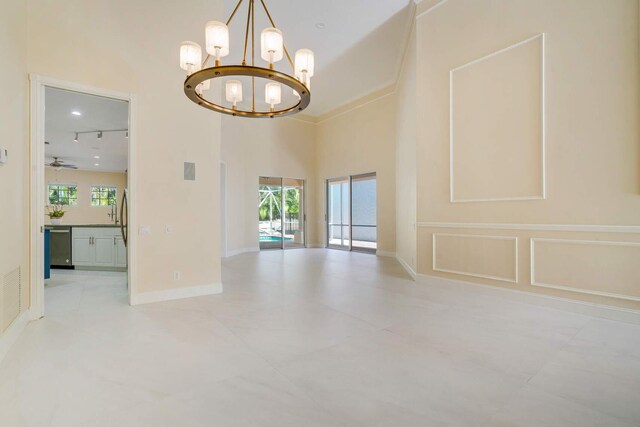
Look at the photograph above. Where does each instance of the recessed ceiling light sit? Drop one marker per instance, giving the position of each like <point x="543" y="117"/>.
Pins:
<point x="76" y="113"/>
<point x="96" y="164"/>
<point x="96" y="157"/>
<point x="320" y="25"/>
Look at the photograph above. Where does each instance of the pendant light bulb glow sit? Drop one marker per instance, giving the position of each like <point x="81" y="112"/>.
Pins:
<point x="217" y="39"/>
<point x="304" y="66"/>
<point x="233" y="92"/>
<point x="271" y="45"/>
<point x="190" y="57"/>
<point x="272" y="94"/>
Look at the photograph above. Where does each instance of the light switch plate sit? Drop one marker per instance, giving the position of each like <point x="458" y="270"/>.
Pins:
<point x="4" y="154"/>
<point x="144" y="230"/>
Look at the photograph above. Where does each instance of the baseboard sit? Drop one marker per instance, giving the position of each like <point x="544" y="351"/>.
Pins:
<point x="316" y="245"/>
<point x="173" y="294"/>
<point x="407" y="267"/>
<point x="235" y="252"/>
<point x="90" y="268"/>
<point x="550" y="301"/>
<point x="386" y="253"/>
<point x="12" y="333"/>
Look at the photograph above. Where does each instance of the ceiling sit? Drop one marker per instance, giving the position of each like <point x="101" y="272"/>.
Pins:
<point x="97" y="113"/>
<point x="358" y="51"/>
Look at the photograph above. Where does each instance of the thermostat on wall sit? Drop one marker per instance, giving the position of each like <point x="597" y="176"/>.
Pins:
<point x="3" y="155"/>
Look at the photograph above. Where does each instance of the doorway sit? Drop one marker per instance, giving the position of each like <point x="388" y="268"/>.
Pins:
<point x="352" y="213"/>
<point x="82" y="189"/>
<point x="281" y="213"/>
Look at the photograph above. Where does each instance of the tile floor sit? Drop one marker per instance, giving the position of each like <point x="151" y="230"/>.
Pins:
<point x="315" y="338"/>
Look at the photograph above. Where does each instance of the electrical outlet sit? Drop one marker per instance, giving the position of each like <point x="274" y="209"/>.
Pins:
<point x="168" y="228"/>
<point x="177" y="275"/>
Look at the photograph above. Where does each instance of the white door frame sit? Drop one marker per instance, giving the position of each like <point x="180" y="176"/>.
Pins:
<point x="37" y="185"/>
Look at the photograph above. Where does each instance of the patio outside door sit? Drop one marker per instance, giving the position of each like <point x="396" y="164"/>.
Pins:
<point x="352" y="213"/>
<point x="281" y="215"/>
<point x="338" y="213"/>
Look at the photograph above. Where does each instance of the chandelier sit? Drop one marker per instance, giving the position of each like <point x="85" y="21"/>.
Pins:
<point x="272" y="49"/>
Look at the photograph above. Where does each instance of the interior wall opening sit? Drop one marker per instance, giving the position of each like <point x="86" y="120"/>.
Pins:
<point x="81" y="199"/>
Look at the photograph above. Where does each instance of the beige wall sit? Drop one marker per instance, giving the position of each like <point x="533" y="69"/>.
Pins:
<point x="83" y="212"/>
<point x="272" y="148"/>
<point x="406" y="118"/>
<point x="592" y="159"/>
<point x="361" y="140"/>
<point x="133" y="47"/>
<point x="13" y="137"/>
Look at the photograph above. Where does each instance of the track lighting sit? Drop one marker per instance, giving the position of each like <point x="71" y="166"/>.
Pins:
<point x="99" y="135"/>
<point x="75" y="139"/>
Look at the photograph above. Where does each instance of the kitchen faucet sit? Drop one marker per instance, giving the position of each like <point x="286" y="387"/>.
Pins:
<point x="114" y="213"/>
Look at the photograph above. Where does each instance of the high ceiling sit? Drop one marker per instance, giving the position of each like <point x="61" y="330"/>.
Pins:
<point x="358" y="44"/>
<point x="97" y="113"/>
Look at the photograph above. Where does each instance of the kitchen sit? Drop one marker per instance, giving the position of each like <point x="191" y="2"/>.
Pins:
<point x="86" y="151"/>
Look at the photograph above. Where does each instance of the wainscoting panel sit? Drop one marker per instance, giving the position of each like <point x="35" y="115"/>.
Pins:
<point x="606" y="268"/>
<point x="489" y="257"/>
<point x="497" y="137"/>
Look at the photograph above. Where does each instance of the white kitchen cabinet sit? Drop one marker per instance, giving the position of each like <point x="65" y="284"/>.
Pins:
<point x="121" y="253"/>
<point x="105" y="253"/>
<point x="98" y="247"/>
<point x="81" y="250"/>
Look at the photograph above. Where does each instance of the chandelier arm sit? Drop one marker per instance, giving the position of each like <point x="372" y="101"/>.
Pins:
<point x="204" y="63"/>
<point x="246" y="34"/>
<point x="234" y="12"/>
<point x="273" y="24"/>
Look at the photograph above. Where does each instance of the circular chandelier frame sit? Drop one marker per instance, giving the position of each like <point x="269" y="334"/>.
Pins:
<point x="192" y="82"/>
<point x="217" y="71"/>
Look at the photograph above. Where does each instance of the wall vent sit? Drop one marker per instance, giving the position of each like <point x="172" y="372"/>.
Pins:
<point x="10" y="298"/>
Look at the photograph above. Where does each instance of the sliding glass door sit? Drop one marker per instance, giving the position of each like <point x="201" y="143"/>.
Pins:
<point x="351" y="213"/>
<point x="281" y="216"/>
<point x="338" y="213"/>
<point x="294" y="214"/>
<point x="363" y="213"/>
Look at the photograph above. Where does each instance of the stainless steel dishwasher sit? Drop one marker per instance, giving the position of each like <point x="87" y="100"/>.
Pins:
<point x="60" y="251"/>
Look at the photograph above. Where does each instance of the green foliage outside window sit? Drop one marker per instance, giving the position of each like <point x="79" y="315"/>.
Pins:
<point x="61" y="194"/>
<point x="103" y="196"/>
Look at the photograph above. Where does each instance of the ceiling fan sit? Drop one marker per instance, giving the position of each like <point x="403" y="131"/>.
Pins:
<point x="58" y="164"/>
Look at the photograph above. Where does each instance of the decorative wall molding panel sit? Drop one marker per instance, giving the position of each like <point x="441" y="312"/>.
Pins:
<point x="587" y="266"/>
<point x="535" y="227"/>
<point x="488" y="257"/>
<point x="497" y="148"/>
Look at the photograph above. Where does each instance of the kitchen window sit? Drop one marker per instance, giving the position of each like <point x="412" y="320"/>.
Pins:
<point x="63" y="194"/>
<point x="103" y="195"/>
